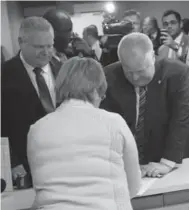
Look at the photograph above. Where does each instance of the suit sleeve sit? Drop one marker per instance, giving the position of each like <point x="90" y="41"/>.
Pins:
<point x="109" y="104"/>
<point x="178" y="130"/>
<point x="6" y="104"/>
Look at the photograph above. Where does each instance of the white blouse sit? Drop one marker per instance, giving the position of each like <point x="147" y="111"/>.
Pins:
<point x="83" y="158"/>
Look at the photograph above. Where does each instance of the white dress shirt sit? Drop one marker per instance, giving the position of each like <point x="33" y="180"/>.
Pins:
<point x="83" y="158"/>
<point x="172" y="53"/>
<point x="163" y="160"/>
<point x="98" y="50"/>
<point x="46" y="73"/>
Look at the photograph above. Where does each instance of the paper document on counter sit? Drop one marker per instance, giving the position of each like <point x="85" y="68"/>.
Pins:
<point x="146" y="184"/>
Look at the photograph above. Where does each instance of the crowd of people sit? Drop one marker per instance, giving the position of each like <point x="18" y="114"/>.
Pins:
<point x="171" y="41"/>
<point x="84" y="135"/>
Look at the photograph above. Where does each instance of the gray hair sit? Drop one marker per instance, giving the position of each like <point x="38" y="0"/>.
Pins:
<point x="34" y="23"/>
<point x="78" y="78"/>
<point x="134" y="46"/>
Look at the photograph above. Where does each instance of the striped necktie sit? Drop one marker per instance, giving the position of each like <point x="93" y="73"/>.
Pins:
<point x="139" y="135"/>
<point x="44" y="94"/>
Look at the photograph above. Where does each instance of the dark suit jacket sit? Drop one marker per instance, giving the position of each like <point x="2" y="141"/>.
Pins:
<point x="167" y="112"/>
<point x="21" y="107"/>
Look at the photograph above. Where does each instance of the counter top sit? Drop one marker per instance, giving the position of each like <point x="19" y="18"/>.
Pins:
<point x="177" y="180"/>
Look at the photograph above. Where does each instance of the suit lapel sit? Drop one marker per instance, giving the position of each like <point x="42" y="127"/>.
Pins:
<point x="23" y="77"/>
<point x="55" y="66"/>
<point x="23" y="82"/>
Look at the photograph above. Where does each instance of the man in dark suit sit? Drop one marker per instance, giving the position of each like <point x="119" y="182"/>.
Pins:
<point x="28" y="89"/>
<point x="153" y="98"/>
<point x="65" y="44"/>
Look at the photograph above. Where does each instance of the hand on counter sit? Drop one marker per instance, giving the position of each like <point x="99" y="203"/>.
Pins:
<point x="18" y="171"/>
<point x="155" y="169"/>
<point x="143" y="169"/>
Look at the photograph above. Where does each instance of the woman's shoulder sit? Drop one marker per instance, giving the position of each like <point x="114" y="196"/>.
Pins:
<point x="112" y="117"/>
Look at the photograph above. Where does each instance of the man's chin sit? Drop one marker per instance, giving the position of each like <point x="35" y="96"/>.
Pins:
<point x="142" y="84"/>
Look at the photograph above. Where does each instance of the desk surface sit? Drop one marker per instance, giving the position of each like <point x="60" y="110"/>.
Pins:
<point x="177" y="180"/>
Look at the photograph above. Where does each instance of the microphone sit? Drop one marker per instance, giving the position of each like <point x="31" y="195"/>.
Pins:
<point x="3" y="185"/>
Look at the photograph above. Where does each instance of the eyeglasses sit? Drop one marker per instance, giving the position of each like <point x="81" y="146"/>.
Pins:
<point x="172" y="22"/>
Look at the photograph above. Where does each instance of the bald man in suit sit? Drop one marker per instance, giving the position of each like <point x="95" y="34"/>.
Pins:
<point x="153" y="98"/>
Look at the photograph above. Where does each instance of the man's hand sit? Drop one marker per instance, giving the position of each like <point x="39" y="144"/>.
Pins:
<point x="82" y="46"/>
<point x="157" y="169"/>
<point x="144" y="170"/>
<point x="168" y="40"/>
<point x="18" y="171"/>
<point x="154" y="169"/>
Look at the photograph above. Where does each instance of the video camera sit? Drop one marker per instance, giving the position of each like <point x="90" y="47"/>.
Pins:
<point x="114" y="33"/>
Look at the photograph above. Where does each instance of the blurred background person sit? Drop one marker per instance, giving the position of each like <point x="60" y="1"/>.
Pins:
<point x="175" y="42"/>
<point x="150" y="27"/>
<point x="28" y="89"/>
<point x="83" y="157"/>
<point x="90" y="35"/>
<point x="185" y="26"/>
<point x="66" y="43"/>
<point x="133" y="17"/>
<point x="62" y="25"/>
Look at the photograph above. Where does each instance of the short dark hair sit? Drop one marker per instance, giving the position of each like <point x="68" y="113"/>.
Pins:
<point x="172" y="12"/>
<point x="131" y="12"/>
<point x="92" y="30"/>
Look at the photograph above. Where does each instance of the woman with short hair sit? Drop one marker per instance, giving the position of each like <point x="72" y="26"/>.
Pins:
<point x="82" y="157"/>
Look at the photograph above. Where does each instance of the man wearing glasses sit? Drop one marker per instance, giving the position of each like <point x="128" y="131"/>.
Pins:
<point x="175" y="42"/>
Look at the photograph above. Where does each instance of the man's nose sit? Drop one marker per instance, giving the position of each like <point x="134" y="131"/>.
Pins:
<point x="135" y="77"/>
<point x="46" y="50"/>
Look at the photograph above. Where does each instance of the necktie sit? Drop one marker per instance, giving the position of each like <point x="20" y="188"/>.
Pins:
<point x="140" y="124"/>
<point x="43" y="91"/>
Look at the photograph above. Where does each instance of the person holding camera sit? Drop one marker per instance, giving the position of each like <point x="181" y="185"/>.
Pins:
<point x="175" y="42"/>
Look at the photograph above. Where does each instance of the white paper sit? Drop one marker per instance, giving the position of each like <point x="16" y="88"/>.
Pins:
<point x="146" y="184"/>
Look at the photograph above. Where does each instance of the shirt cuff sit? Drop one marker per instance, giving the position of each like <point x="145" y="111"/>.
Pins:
<point x="168" y="162"/>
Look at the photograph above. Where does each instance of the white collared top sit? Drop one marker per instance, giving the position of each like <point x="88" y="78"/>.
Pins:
<point x="46" y="73"/>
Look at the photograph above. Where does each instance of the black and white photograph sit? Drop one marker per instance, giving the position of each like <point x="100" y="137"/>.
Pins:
<point x="94" y="105"/>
